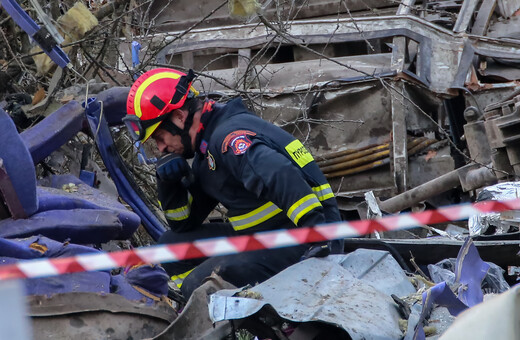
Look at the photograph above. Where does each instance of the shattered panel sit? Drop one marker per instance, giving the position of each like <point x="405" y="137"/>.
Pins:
<point x="350" y="295"/>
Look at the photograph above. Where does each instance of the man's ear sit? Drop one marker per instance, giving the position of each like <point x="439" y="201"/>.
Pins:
<point x="179" y="116"/>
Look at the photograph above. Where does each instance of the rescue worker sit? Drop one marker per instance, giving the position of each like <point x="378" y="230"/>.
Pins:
<point x="263" y="176"/>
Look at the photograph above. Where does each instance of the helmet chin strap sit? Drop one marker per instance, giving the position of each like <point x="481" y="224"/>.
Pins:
<point x="168" y="125"/>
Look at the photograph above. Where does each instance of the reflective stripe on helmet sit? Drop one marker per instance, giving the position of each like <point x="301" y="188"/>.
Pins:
<point x="144" y="86"/>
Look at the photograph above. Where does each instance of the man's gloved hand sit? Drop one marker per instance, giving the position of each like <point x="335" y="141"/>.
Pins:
<point x="316" y="251"/>
<point x="172" y="167"/>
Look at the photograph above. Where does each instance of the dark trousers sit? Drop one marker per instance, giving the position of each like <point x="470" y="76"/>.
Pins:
<point x="238" y="269"/>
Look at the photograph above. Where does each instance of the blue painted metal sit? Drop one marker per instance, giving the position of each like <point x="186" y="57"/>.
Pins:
<point x="54" y="131"/>
<point x="125" y="184"/>
<point x="32" y="29"/>
<point x="441" y="295"/>
<point x="470" y="271"/>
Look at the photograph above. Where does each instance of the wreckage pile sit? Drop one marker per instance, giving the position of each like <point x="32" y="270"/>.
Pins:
<point x="406" y="107"/>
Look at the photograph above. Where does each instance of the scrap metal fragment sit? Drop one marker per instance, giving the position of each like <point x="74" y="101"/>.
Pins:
<point x="465" y="15"/>
<point x="483" y="17"/>
<point x="194" y="322"/>
<point x="329" y="290"/>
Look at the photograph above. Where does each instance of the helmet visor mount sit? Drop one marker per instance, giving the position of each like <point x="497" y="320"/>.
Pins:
<point x="137" y="127"/>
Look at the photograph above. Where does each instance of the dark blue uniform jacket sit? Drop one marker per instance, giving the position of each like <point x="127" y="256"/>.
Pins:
<point x="263" y="176"/>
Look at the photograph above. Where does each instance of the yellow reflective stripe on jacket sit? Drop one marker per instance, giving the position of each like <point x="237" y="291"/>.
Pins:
<point x="303" y="206"/>
<point x="323" y="192"/>
<point x="254" y="217"/>
<point x="179" y="214"/>
<point x="179" y="279"/>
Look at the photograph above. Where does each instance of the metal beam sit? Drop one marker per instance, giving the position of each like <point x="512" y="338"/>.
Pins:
<point x="405" y="7"/>
<point x="399" y="139"/>
<point x="465" y="15"/>
<point x="481" y="24"/>
<point x="244" y="58"/>
<point x="398" y="53"/>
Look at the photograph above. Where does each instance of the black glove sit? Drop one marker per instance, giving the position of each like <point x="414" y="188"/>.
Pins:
<point x="172" y="167"/>
<point x="317" y="250"/>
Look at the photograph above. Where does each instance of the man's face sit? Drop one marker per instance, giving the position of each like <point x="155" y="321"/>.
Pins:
<point x="166" y="142"/>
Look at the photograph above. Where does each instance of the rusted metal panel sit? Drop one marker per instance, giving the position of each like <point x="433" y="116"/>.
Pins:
<point x="273" y="79"/>
<point x="194" y="321"/>
<point x="95" y="316"/>
<point x="405" y="7"/>
<point x="482" y="21"/>
<point x="425" y="62"/>
<point x="439" y="49"/>
<point x="465" y="15"/>
<point x="186" y="13"/>
<point x="508" y="7"/>
<point x="399" y="140"/>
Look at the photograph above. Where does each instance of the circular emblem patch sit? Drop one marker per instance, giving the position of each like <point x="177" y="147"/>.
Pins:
<point x="238" y="141"/>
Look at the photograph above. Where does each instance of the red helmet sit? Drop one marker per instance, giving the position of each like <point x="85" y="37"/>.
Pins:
<point x="152" y="96"/>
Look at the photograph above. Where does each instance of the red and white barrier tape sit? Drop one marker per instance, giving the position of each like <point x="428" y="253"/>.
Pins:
<point x="237" y="244"/>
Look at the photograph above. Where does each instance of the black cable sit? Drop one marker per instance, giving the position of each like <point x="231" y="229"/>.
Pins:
<point x="391" y="249"/>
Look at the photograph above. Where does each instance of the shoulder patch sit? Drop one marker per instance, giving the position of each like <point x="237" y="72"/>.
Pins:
<point x="238" y="141"/>
<point x="299" y="153"/>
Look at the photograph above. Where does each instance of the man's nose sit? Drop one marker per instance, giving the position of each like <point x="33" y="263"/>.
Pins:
<point x="161" y="146"/>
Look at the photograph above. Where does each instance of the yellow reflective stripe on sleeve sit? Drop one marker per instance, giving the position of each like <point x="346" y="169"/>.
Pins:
<point x="179" y="279"/>
<point x="254" y="217"/>
<point x="303" y="206"/>
<point x="323" y="192"/>
<point x="179" y="214"/>
<point x="299" y="153"/>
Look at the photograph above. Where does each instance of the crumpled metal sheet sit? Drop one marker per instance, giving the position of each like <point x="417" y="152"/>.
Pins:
<point x="470" y="271"/>
<point x="441" y="295"/>
<point x="480" y="223"/>
<point x="194" y="322"/>
<point x="349" y="291"/>
<point x="443" y="271"/>
<point x="496" y="318"/>
<point x="92" y="316"/>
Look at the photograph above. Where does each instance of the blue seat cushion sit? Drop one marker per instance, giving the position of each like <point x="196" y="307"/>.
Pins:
<point x="18" y="164"/>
